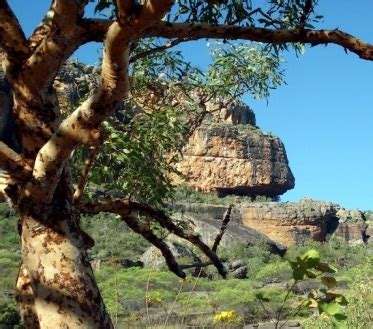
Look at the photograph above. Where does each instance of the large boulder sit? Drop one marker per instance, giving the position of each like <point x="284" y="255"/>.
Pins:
<point x="236" y="159"/>
<point x="153" y="258"/>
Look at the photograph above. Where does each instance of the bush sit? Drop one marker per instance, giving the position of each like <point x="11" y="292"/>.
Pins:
<point x="9" y="316"/>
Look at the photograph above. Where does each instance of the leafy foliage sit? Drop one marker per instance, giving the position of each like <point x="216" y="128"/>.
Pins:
<point x="274" y="13"/>
<point x="134" y="159"/>
<point x="309" y="265"/>
<point x="168" y="100"/>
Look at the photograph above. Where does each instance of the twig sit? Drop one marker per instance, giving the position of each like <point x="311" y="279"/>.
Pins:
<point x="174" y="303"/>
<point x="88" y="163"/>
<point x="146" y="297"/>
<point x="190" y="296"/>
<point x="155" y="50"/>
<point x="279" y="313"/>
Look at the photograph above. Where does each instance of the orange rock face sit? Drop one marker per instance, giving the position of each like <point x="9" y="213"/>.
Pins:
<point x="236" y="159"/>
<point x="290" y="223"/>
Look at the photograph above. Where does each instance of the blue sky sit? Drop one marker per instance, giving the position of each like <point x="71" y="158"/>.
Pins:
<point x="323" y="115"/>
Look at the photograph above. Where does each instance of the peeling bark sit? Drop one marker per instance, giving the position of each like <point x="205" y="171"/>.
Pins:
<point x="56" y="286"/>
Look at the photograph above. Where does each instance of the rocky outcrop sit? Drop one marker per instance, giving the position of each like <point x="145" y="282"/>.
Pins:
<point x="236" y="159"/>
<point x="283" y="223"/>
<point x="355" y="233"/>
<point x="292" y="222"/>
<point x="232" y="112"/>
<point x="208" y="228"/>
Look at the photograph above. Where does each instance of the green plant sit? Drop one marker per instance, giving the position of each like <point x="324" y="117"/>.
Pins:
<point x="9" y="317"/>
<point x="327" y="302"/>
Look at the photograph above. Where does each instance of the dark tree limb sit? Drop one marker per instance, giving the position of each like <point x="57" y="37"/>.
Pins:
<point x="155" y="50"/>
<point x="126" y="207"/>
<point x="96" y="30"/>
<point x="12" y="39"/>
<point x="226" y="219"/>
<point x="307" y="10"/>
<point x="148" y="234"/>
<point x="13" y="163"/>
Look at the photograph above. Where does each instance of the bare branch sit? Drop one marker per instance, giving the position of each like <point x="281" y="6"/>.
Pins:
<point x="307" y="36"/>
<point x="147" y="233"/>
<point x="84" y="174"/>
<point x="96" y="30"/>
<point x="155" y="50"/>
<point x="12" y="38"/>
<point x="226" y="219"/>
<point x="126" y="207"/>
<point x="13" y="163"/>
<point x="307" y="10"/>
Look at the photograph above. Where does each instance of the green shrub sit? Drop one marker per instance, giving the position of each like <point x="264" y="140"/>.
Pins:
<point x="9" y="316"/>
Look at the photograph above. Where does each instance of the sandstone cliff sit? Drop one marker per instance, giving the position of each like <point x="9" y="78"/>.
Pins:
<point x="294" y="222"/>
<point x="286" y="223"/>
<point x="236" y="159"/>
<point x="227" y="154"/>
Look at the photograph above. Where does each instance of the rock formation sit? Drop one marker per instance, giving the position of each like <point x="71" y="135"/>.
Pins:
<point x="236" y="159"/>
<point x="294" y="222"/>
<point x="283" y="224"/>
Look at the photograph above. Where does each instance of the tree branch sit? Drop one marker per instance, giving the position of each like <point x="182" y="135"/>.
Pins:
<point x="53" y="45"/>
<point x="226" y="219"/>
<point x="81" y="127"/>
<point x="13" y="163"/>
<point x="84" y="174"/>
<point x="155" y="50"/>
<point x="308" y="36"/>
<point x="12" y="38"/>
<point x="96" y="30"/>
<point x="148" y="234"/>
<point x="126" y="207"/>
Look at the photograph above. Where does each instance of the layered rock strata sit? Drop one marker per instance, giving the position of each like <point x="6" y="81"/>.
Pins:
<point x="236" y="159"/>
<point x="284" y="223"/>
<point x="290" y="223"/>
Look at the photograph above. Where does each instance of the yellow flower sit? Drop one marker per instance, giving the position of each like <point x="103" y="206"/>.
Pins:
<point x="225" y="316"/>
<point x="158" y="297"/>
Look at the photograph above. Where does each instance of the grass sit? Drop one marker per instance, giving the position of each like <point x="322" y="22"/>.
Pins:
<point x="142" y="297"/>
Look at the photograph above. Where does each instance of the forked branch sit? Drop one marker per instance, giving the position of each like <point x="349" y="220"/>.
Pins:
<point x="126" y="208"/>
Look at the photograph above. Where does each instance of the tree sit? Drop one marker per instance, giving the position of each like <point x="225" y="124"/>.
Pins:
<point x="56" y="286"/>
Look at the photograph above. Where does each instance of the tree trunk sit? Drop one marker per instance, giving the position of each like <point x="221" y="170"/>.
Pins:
<point x="56" y="287"/>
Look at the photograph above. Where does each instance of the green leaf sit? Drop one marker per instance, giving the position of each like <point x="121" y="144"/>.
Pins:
<point x="298" y="273"/>
<point x="311" y="258"/>
<point x="339" y="324"/>
<point x="329" y="308"/>
<point x="340" y="317"/>
<point x="329" y="282"/>
<point x="341" y="300"/>
<point x="325" y="268"/>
